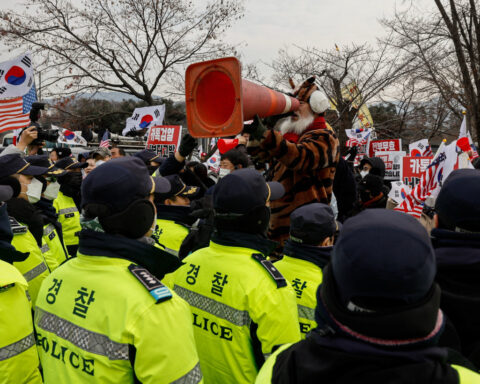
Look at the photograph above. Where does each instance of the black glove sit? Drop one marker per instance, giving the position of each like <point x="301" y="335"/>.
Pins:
<point x="187" y="145"/>
<point x="351" y="154"/>
<point x="256" y="129"/>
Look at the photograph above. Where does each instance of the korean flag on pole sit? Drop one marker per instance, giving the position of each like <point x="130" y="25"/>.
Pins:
<point x="145" y="118"/>
<point x="16" y="76"/>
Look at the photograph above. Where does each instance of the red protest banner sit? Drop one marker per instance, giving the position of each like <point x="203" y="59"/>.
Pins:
<point x="412" y="169"/>
<point x="390" y="145"/>
<point x="164" y="139"/>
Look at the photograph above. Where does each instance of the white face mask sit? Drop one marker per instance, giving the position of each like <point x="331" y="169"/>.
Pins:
<point x="363" y="173"/>
<point x="51" y="192"/>
<point x="223" y="172"/>
<point x="34" y="191"/>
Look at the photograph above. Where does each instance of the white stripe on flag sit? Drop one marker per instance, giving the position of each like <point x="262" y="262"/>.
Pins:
<point x="11" y="114"/>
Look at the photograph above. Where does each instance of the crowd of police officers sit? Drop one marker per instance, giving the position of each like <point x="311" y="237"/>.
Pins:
<point x="117" y="269"/>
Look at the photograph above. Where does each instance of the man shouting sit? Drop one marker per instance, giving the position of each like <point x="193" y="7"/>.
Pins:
<point x="302" y="153"/>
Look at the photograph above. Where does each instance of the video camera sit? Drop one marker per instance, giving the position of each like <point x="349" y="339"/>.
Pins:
<point x="43" y="134"/>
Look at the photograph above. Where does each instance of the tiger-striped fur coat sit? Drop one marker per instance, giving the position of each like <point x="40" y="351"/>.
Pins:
<point x="306" y="170"/>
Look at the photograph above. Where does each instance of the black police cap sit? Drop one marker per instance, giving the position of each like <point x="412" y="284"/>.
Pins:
<point x="243" y="190"/>
<point x="14" y="163"/>
<point x="312" y="223"/>
<point x="457" y="203"/>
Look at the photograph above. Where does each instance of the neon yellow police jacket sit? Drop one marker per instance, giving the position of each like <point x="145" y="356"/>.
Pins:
<point x="242" y="307"/>
<point x="18" y="354"/>
<point x="69" y="217"/>
<point x="97" y="322"/>
<point x="305" y="277"/>
<point x="34" y="268"/>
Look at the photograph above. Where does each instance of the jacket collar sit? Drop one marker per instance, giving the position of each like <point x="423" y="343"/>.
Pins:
<point x="319" y="256"/>
<point x="178" y="214"/>
<point x="244" y="240"/>
<point x="7" y="252"/>
<point x="447" y="244"/>
<point x="155" y="260"/>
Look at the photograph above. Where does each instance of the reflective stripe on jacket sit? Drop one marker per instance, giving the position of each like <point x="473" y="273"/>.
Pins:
<point x="305" y="277"/>
<point x="69" y="217"/>
<point x="52" y="247"/>
<point x="97" y="323"/>
<point x="18" y="354"/>
<point x="239" y="313"/>
<point x="34" y="268"/>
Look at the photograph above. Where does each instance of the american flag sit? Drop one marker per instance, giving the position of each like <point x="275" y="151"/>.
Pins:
<point x="431" y="181"/>
<point x="105" y="140"/>
<point x="14" y="113"/>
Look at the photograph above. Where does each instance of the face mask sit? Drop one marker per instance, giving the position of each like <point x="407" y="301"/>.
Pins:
<point x="51" y="192"/>
<point x="223" y="172"/>
<point x="34" y="191"/>
<point x="363" y="173"/>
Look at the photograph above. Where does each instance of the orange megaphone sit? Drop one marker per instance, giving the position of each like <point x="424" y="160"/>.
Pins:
<point x="218" y="100"/>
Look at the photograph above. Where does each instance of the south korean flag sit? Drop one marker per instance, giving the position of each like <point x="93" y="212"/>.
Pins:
<point x="16" y="76"/>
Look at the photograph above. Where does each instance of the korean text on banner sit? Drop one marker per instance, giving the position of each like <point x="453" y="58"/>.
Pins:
<point x="393" y="163"/>
<point x="413" y="167"/>
<point x="164" y="139"/>
<point x="385" y="146"/>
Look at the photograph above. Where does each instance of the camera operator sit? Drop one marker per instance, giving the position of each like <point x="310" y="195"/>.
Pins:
<point x="27" y="136"/>
<point x="32" y="138"/>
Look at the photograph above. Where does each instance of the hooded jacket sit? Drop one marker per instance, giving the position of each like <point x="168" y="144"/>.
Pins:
<point x="458" y="267"/>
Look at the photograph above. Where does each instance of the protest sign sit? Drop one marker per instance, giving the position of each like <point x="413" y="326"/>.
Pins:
<point x="164" y="139"/>
<point x="413" y="167"/>
<point x="390" y="145"/>
<point x="393" y="163"/>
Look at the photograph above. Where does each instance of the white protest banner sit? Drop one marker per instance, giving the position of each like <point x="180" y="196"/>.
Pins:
<point x="393" y="163"/>
<point x="388" y="145"/>
<point x="16" y="76"/>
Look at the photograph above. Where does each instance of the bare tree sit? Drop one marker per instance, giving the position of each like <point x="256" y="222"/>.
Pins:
<point x="371" y="70"/>
<point x="445" y="47"/>
<point x="127" y="46"/>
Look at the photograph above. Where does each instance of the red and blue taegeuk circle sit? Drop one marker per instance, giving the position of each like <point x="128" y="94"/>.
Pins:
<point x="15" y="76"/>
<point x="146" y="120"/>
<point x="69" y="135"/>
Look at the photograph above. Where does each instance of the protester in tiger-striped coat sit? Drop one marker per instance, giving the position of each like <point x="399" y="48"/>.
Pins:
<point x="303" y="154"/>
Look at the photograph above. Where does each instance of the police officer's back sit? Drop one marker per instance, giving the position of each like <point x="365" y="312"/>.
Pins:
<point x="25" y="219"/>
<point x="104" y="316"/>
<point x="18" y="354"/>
<point x="242" y="307"/>
<point x="306" y="253"/>
<point x="456" y="239"/>
<point x="378" y="312"/>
